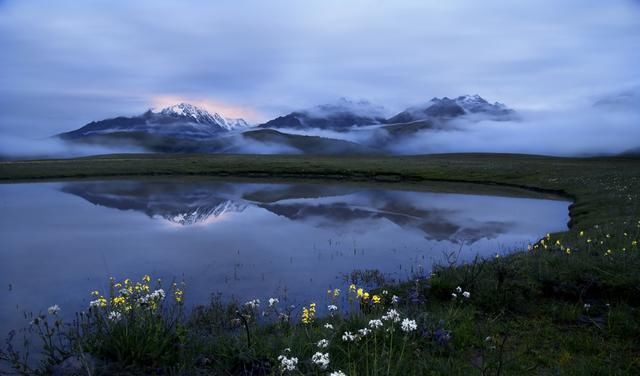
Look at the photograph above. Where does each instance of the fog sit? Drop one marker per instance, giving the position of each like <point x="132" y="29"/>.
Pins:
<point x="67" y="63"/>
<point x="12" y="147"/>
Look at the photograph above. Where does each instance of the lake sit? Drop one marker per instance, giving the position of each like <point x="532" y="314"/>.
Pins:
<point x="248" y="239"/>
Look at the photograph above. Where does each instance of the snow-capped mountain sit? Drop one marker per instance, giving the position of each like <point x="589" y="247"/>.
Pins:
<point x="448" y="108"/>
<point x="201" y="116"/>
<point x="181" y="121"/>
<point x="202" y="213"/>
<point x="340" y="116"/>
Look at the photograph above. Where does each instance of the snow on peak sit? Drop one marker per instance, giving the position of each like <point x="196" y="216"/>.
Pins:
<point x="202" y="116"/>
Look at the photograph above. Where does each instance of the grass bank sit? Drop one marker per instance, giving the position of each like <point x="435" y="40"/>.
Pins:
<point x="566" y="305"/>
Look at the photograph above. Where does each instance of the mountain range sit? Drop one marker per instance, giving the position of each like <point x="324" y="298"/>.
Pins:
<point x="345" y="127"/>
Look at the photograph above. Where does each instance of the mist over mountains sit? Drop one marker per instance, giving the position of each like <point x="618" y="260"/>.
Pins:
<point x="344" y="127"/>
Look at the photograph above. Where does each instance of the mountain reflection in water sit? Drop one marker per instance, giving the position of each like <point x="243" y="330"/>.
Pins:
<point x="328" y="207"/>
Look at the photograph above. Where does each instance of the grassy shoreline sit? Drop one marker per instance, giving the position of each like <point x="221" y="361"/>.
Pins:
<point x="602" y="188"/>
<point x="567" y="305"/>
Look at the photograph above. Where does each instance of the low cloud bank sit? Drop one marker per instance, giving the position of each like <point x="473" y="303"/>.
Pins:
<point x="12" y="147"/>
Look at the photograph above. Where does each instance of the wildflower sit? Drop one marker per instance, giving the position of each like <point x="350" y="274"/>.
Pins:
<point x="321" y="360"/>
<point x="332" y="307"/>
<point x="158" y="295"/>
<point x="458" y="289"/>
<point x="568" y="251"/>
<point x="391" y="315"/>
<point x="114" y="316"/>
<point x="337" y="373"/>
<point x="360" y="292"/>
<point x="323" y="343"/>
<point x="587" y="306"/>
<point x="376" y="299"/>
<point x="253" y="304"/>
<point x="395" y="299"/>
<point x="408" y="325"/>
<point x="348" y="337"/>
<point x="588" y="240"/>
<point x="288" y="364"/>
<point x="308" y="314"/>
<point x="54" y="309"/>
<point x="178" y="295"/>
<point x="634" y="243"/>
<point x="146" y="278"/>
<point x="454" y="295"/>
<point x="101" y="302"/>
<point x="273" y="301"/>
<point x="375" y="324"/>
<point x="385" y="292"/>
<point x="95" y="293"/>
<point x="364" y="331"/>
<point x="336" y="292"/>
<point x="365" y="296"/>
<point x="581" y="233"/>
<point x="466" y="294"/>
<point x="352" y="288"/>
<point x="328" y="326"/>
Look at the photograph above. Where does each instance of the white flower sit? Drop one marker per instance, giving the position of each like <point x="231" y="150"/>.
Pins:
<point x="466" y="294"/>
<point x="395" y="299"/>
<point x="54" y="309"/>
<point x="124" y="292"/>
<point x="94" y="303"/>
<point x="253" y="304"/>
<point x="328" y="326"/>
<point x="321" y="360"/>
<point x="586" y="306"/>
<point x="114" y="316"/>
<point x="454" y="295"/>
<point x="288" y="364"/>
<point x="385" y="292"/>
<point x="348" y="337"/>
<point x="458" y="289"/>
<point x="375" y="324"/>
<point x="273" y="301"/>
<point x="323" y="343"/>
<point x="337" y="373"/>
<point x="391" y="315"/>
<point x="408" y="325"/>
<point x="364" y="331"/>
<point x="332" y="308"/>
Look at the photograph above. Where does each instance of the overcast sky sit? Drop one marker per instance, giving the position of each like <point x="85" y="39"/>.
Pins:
<point x="65" y="63"/>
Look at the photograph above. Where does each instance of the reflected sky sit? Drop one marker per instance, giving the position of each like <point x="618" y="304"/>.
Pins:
<point x="61" y="240"/>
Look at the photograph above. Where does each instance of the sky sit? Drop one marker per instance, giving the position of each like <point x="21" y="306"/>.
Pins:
<point x="66" y="63"/>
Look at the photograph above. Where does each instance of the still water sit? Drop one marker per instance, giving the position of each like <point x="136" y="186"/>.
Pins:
<point x="60" y="240"/>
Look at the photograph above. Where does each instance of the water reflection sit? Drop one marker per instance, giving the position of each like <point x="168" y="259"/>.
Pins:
<point x="338" y="208"/>
<point x="60" y="240"/>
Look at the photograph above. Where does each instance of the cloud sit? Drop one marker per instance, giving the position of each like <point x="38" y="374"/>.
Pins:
<point x="66" y="63"/>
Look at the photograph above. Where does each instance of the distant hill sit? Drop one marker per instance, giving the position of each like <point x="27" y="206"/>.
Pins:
<point x="445" y="109"/>
<point x="308" y="144"/>
<point x="340" y="117"/>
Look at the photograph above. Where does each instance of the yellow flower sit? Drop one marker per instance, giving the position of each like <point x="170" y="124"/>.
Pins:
<point x="352" y="287"/>
<point x="360" y="292"/>
<point x="568" y="250"/>
<point x="336" y="292"/>
<point x="95" y="293"/>
<point x="588" y="240"/>
<point x="581" y="233"/>
<point x="557" y="242"/>
<point x="127" y="282"/>
<point x="118" y="300"/>
<point x="375" y="299"/>
<point x="365" y="296"/>
<point x="179" y="295"/>
<point x="634" y="243"/>
<point x="146" y="278"/>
